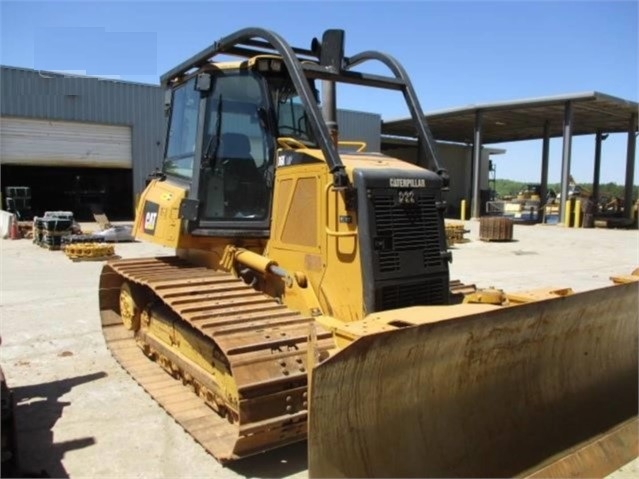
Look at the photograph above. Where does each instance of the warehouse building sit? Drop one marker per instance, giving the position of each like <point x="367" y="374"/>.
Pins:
<point x="78" y="142"/>
<point x="87" y="144"/>
<point x="83" y="144"/>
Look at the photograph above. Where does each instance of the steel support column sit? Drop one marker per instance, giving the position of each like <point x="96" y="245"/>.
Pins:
<point x="545" y="150"/>
<point x="565" y="160"/>
<point x="630" y="167"/>
<point x="475" y="203"/>
<point x="597" y="167"/>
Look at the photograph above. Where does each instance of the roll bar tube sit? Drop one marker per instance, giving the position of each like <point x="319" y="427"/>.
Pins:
<point x="235" y="43"/>
<point x="249" y="42"/>
<point x="427" y="141"/>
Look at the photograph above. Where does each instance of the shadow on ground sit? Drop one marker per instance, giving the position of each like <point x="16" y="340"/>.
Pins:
<point x="37" y="409"/>
<point x="280" y="462"/>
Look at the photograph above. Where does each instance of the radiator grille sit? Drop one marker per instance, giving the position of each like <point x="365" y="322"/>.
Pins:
<point x="407" y="228"/>
<point x="432" y="291"/>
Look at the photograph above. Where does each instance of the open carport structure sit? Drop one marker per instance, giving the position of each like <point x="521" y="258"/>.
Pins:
<point x="590" y="113"/>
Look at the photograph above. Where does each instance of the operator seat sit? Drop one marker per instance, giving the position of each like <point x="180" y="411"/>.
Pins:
<point x="244" y="189"/>
<point x="235" y="145"/>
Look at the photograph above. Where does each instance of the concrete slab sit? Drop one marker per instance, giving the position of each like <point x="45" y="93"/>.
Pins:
<point x="81" y="415"/>
<point x="544" y="255"/>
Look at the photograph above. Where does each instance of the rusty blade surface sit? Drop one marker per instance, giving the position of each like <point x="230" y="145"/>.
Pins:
<point x="503" y="393"/>
<point x="264" y="343"/>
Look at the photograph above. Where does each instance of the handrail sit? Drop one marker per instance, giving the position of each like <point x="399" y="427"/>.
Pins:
<point x="361" y="145"/>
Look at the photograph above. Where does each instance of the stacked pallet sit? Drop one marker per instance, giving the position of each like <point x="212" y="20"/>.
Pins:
<point x="17" y="199"/>
<point x="49" y="229"/>
<point x="495" y="228"/>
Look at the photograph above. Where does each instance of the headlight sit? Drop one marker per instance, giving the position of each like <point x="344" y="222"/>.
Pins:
<point x="263" y="65"/>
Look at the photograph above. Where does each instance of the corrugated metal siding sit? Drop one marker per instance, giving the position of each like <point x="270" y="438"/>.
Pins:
<point x="28" y="141"/>
<point x="360" y="126"/>
<point x="37" y="94"/>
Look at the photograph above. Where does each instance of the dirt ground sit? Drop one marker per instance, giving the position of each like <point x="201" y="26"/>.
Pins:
<point x="80" y="415"/>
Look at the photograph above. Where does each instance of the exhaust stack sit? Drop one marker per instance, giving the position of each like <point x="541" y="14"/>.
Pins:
<point x="329" y="109"/>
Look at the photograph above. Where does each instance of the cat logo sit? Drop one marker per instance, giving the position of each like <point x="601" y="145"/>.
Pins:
<point x="150" y="213"/>
<point x="149" y="221"/>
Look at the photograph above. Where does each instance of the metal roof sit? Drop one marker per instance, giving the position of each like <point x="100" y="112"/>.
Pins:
<point x="70" y="74"/>
<point x="524" y="119"/>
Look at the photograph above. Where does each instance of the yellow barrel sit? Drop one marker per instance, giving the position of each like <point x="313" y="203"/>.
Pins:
<point x="567" y="213"/>
<point x="577" y="214"/>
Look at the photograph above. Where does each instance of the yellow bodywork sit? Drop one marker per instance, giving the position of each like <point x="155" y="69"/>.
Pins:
<point x="167" y="222"/>
<point x="312" y="235"/>
<point x="497" y="386"/>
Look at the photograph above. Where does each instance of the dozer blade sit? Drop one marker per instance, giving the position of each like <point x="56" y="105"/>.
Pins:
<point x="546" y="388"/>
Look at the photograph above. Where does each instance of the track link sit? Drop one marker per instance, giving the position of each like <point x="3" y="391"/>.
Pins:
<point x="263" y="343"/>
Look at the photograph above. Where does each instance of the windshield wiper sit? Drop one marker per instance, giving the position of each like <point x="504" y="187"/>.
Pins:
<point x="211" y="157"/>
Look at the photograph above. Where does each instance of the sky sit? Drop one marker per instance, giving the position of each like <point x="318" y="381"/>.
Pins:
<point x="457" y="53"/>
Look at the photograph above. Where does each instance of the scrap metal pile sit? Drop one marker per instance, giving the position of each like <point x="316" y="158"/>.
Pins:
<point x="57" y="230"/>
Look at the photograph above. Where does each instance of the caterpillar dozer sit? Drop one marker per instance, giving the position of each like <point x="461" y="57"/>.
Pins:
<point x="309" y="294"/>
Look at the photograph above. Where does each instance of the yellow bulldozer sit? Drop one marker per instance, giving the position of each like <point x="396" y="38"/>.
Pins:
<point x="309" y="294"/>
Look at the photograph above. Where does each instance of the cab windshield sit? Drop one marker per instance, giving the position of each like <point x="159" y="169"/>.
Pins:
<point x="236" y="174"/>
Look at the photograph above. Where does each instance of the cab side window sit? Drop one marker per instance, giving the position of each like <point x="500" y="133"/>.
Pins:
<point x="180" y="145"/>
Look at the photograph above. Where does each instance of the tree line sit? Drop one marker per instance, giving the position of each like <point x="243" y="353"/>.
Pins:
<point x="505" y="188"/>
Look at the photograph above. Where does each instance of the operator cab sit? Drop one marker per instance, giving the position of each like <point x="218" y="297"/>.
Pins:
<point x="243" y="109"/>
<point x="226" y="120"/>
